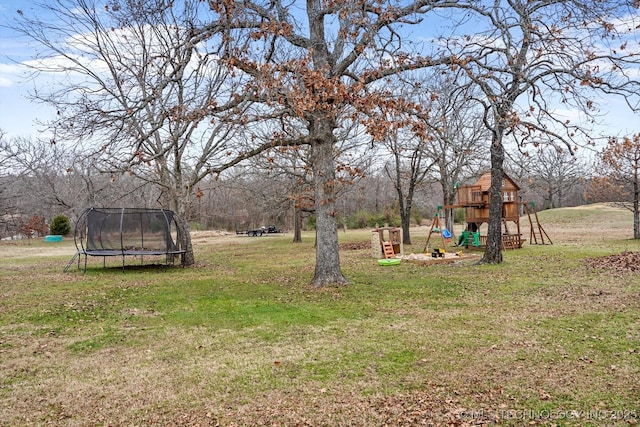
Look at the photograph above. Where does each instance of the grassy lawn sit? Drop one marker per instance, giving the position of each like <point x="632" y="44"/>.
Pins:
<point x="241" y="339"/>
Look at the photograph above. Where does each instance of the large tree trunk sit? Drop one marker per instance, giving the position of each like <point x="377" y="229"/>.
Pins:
<point x="297" y="225"/>
<point x="405" y="218"/>
<point x="327" y="256"/>
<point x="182" y="209"/>
<point x="493" y="250"/>
<point x="184" y="237"/>
<point x="321" y="127"/>
<point x="405" y="211"/>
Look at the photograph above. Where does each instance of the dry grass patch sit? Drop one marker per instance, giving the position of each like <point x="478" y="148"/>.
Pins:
<point x="241" y="339"/>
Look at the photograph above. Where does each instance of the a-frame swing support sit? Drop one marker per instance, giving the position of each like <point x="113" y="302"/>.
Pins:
<point x="537" y="234"/>
<point x="438" y="225"/>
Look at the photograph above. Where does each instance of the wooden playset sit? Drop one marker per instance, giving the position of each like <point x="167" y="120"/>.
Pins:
<point x="474" y="199"/>
<point x="386" y="242"/>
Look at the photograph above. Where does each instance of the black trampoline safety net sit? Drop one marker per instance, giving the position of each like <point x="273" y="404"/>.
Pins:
<point x="128" y="230"/>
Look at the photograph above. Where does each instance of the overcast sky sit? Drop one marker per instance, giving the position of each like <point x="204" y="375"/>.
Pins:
<point x="19" y="116"/>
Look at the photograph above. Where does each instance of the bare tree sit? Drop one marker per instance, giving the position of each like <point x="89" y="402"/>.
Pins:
<point x="407" y="140"/>
<point x="139" y="86"/>
<point x="8" y="191"/>
<point x="555" y="172"/>
<point x="458" y="138"/>
<point x="407" y="170"/>
<point x="46" y="177"/>
<point x="530" y="59"/>
<point x="618" y="174"/>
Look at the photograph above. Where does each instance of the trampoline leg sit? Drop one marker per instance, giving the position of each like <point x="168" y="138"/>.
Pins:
<point x="66" y="268"/>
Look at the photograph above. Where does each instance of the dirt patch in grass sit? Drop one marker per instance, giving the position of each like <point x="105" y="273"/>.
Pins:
<point x="625" y="262"/>
<point x="341" y="408"/>
<point x="354" y="246"/>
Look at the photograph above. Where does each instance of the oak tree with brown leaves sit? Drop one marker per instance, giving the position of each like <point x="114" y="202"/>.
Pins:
<point x="311" y="68"/>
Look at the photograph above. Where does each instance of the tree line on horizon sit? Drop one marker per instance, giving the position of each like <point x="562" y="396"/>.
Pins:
<point x="41" y="187"/>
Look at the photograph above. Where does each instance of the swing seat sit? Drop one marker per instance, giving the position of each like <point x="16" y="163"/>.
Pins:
<point x="446" y="233"/>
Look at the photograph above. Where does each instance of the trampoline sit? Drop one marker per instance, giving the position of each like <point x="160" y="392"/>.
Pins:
<point x="122" y="232"/>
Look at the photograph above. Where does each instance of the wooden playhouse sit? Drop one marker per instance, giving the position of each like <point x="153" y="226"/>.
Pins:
<point x="386" y="242"/>
<point x="474" y="198"/>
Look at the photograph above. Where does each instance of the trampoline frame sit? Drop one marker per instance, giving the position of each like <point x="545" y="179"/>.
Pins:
<point x="88" y="241"/>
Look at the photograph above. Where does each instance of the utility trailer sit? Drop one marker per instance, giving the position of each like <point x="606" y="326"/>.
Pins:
<point x="257" y="232"/>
